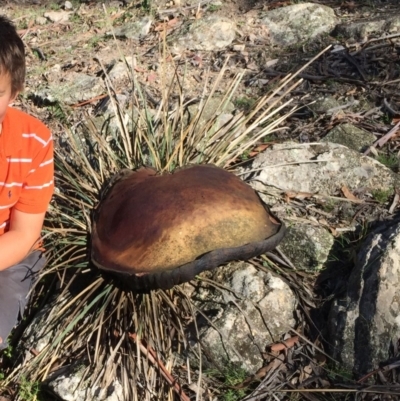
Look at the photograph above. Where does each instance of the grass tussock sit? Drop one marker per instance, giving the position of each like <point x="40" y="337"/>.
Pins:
<point x="134" y="342"/>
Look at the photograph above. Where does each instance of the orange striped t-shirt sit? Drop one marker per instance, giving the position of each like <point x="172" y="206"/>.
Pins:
<point x="26" y="165"/>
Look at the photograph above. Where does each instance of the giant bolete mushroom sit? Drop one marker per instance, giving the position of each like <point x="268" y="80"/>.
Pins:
<point x="157" y="230"/>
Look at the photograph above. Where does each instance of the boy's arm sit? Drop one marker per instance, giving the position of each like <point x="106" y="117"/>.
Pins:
<point x="24" y="231"/>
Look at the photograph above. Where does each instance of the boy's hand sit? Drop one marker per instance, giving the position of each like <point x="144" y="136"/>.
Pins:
<point x="24" y="231"/>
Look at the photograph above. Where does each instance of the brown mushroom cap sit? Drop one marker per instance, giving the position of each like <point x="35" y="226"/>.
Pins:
<point x="151" y="223"/>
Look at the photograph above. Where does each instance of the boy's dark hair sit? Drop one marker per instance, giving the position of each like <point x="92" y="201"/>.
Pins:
<point x="12" y="54"/>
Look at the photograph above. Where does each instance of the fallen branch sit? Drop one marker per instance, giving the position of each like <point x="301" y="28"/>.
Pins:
<point x="381" y="141"/>
<point x="153" y="358"/>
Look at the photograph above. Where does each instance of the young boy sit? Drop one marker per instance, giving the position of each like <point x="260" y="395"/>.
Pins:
<point x="26" y="184"/>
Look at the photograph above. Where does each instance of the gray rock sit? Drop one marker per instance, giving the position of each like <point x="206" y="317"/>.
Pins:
<point x="67" y="383"/>
<point x="209" y="33"/>
<point x="213" y="106"/>
<point x="40" y="20"/>
<point x="366" y="321"/>
<point x="298" y="23"/>
<point x="317" y="168"/>
<point x="106" y="108"/>
<point x="69" y="388"/>
<point x="133" y="30"/>
<point x="121" y="70"/>
<point x="324" y="105"/>
<point x="37" y="336"/>
<point x="307" y="246"/>
<point x="364" y="29"/>
<point x="350" y="136"/>
<point x="76" y="88"/>
<point x="253" y="310"/>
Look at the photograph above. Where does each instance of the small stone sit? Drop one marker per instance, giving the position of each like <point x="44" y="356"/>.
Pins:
<point x="337" y="48"/>
<point x="121" y="70"/>
<point x="40" y="20"/>
<point x="307" y="246"/>
<point x="57" y="16"/>
<point x="323" y="104"/>
<point x="68" y="5"/>
<point x="271" y="63"/>
<point x="133" y="30"/>
<point x="350" y="136"/>
<point x="238" y="48"/>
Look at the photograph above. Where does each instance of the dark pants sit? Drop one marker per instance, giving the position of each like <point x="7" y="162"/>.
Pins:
<point x="15" y="284"/>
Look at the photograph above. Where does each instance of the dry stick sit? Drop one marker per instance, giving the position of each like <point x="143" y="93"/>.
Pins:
<point x="394" y="81"/>
<point x="93" y="99"/>
<point x="352" y="61"/>
<point x="380" y="142"/>
<point x="390" y="108"/>
<point x="384" y="369"/>
<point x="395" y="202"/>
<point x="152" y="356"/>
<point x="313" y="345"/>
<point x="363" y="45"/>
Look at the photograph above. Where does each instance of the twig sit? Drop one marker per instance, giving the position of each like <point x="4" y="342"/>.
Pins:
<point x="363" y="45"/>
<point x="345" y="229"/>
<point x="93" y="99"/>
<point x="153" y="358"/>
<point x="351" y="60"/>
<point x="316" y="77"/>
<point x="395" y="202"/>
<point x="313" y="345"/>
<point x="389" y="108"/>
<point x="394" y="81"/>
<point x="381" y="141"/>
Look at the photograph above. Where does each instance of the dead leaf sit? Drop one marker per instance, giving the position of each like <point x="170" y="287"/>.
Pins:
<point x="199" y="13"/>
<point x="349" y="195"/>
<point x="152" y="77"/>
<point x="261" y="373"/>
<point x="252" y="66"/>
<point x="258" y="149"/>
<point x="284" y="345"/>
<point x="164" y="26"/>
<point x="299" y="195"/>
<point x="197" y="60"/>
<point x="138" y="69"/>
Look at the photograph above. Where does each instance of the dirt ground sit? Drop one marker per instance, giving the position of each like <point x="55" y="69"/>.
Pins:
<point x="82" y="45"/>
